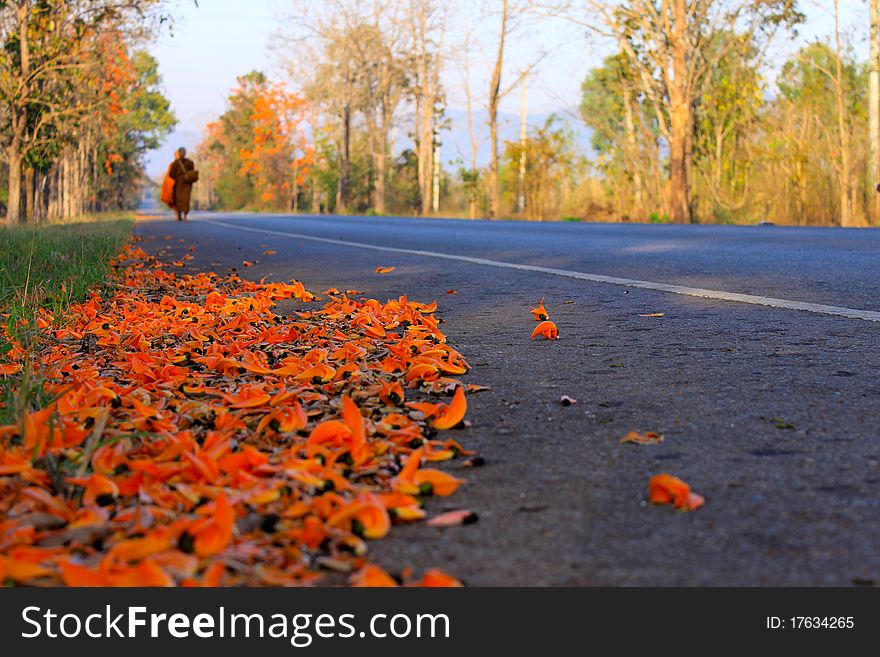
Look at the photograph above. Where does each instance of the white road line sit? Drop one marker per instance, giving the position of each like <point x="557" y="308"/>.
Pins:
<point x="851" y="313"/>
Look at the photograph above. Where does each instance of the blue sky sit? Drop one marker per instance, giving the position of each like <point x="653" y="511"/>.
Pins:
<point x="222" y="39"/>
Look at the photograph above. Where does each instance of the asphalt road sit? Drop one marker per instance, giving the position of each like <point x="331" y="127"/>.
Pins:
<point x="772" y="414"/>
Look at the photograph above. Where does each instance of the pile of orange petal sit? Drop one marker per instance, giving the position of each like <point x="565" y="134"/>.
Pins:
<point x="197" y="438"/>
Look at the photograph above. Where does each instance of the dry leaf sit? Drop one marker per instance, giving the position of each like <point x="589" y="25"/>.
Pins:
<point x="648" y="438"/>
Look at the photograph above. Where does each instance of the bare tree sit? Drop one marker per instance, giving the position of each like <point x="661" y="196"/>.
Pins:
<point x="672" y="46"/>
<point x="471" y="175"/>
<point x="494" y="99"/>
<point x="428" y="22"/>
<point x="511" y="14"/>
<point x="356" y="70"/>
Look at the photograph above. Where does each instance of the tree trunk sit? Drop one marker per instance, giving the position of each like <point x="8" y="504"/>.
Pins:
<point x="494" y="99"/>
<point x="632" y="155"/>
<point x="381" y="174"/>
<point x="295" y="186"/>
<point x="13" y="209"/>
<point x="380" y="165"/>
<point x="66" y="195"/>
<point x="680" y="119"/>
<point x="424" y="102"/>
<point x="30" y="195"/>
<point x="845" y="172"/>
<point x="523" y="140"/>
<point x="342" y="190"/>
<point x="874" y="108"/>
<point x="15" y="151"/>
<point x="316" y="195"/>
<point x="435" y="178"/>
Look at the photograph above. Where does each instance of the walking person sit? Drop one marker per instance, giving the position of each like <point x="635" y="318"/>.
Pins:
<point x="183" y="172"/>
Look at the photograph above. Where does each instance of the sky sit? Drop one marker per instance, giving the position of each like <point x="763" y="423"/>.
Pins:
<point x="214" y="43"/>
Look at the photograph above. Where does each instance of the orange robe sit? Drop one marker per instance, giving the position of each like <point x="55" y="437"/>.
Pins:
<point x="168" y="191"/>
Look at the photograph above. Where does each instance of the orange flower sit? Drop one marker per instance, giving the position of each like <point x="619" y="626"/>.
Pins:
<point x="437" y="578"/>
<point x="250" y="396"/>
<point x="546" y="329"/>
<point x="212" y="535"/>
<point x="21" y="571"/>
<point x="320" y="373"/>
<point x="426" y="481"/>
<point x="284" y="420"/>
<point x="13" y="464"/>
<point x="145" y="574"/>
<point x="666" y="489"/>
<point x="76" y="575"/>
<point x="349" y="433"/>
<point x="421" y="372"/>
<point x="391" y="392"/>
<point x="100" y="490"/>
<point x="372" y="575"/>
<point x="364" y="517"/>
<point x="136" y="549"/>
<point x="449" y="416"/>
<point x="540" y="313"/>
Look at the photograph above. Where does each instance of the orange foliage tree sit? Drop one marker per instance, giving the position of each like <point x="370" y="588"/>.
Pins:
<point x="257" y="153"/>
<point x="279" y="156"/>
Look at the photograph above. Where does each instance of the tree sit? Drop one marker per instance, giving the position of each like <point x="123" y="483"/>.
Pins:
<point x="730" y="106"/>
<point x="511" y="13"/>
<point x="48" y="70"/>
<point x="672" y="46"/>
<point x="623" y="135"/>
<point x="278" y="156"/>
<point x="256" y="153"/>
<point x="550" y="159"/>
<point x="812" y="138"/>
<point x="354" y="79"/>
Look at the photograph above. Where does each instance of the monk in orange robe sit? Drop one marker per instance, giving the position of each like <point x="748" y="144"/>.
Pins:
<point x="182" y="183"/>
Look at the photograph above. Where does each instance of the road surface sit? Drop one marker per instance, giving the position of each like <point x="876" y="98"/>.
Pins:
<point x="771" y="413"/>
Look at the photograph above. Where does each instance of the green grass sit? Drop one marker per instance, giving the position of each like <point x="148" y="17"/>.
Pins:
<point x="49" y="267"/>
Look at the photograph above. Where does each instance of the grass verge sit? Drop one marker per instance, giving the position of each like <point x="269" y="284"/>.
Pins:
<point x="49" y="266"/>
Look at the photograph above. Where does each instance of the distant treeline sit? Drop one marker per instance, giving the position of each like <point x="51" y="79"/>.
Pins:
<point x="689" y="119"/>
